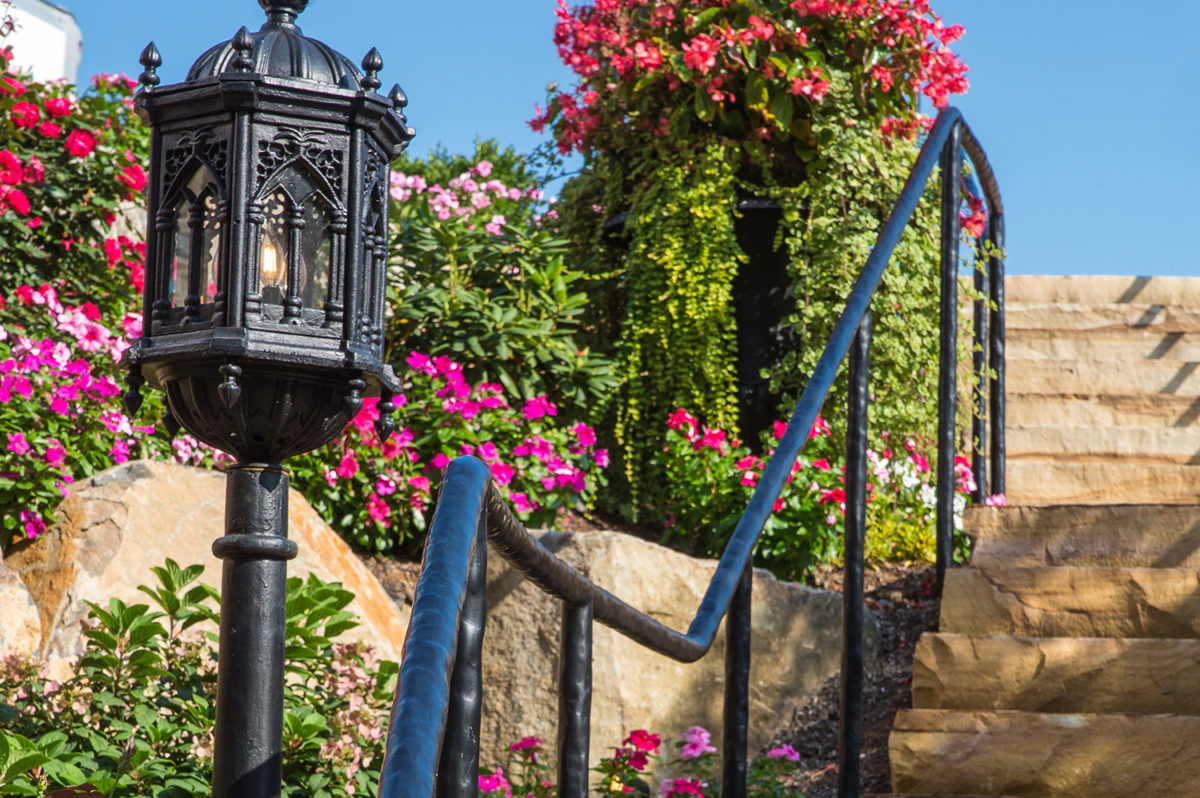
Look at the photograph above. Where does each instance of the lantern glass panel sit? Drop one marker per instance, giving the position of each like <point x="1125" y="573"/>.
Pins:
<point x="273" y="257"/>
<point x="182" y="257"/>
<point x="210" y="251"/>
<point x="315" y="248"/>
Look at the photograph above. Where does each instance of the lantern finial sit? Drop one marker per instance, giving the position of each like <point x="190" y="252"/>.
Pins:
<point x="372" y="62"/>
<point x="284" y="11"/>
<point x="151" y="61"/>
<point x="243" y="45"/>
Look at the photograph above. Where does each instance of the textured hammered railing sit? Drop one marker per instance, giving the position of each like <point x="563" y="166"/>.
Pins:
<point x="433" y="741"/>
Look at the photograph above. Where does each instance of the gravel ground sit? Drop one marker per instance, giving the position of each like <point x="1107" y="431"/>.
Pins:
<point x="901" y="599"/>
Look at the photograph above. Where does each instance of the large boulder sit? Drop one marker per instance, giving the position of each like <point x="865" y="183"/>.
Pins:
<point x="796" y="647"/>
<point x="119" y="523"/>
<point x="20" y="629"/>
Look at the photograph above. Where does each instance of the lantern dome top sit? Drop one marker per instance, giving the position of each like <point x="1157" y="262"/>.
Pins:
<point x="280" y="49"/>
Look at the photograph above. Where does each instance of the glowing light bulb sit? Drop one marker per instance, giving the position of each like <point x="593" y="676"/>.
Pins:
<point x="271" y="273"/>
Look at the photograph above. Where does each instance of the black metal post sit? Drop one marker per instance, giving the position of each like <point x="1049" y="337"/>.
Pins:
<point x="247" y="752"/>
<point x="574" y="699"/>
<point x="996" y="355"/>
<point x="951" y="163"/>
<point x="736" y="716"/>
<point x="979" y="381"/>
<point x="458" y="765"/>
<point x="851" y="701"/>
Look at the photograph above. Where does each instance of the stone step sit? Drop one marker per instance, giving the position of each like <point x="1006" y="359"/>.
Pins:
<point x="1105" y="344"/>
<point x="1072" y="602"/>
<point x="1119" y="443"/>
<point x="1103" y="289"/>
<point x="1057" y="674"/>
<point x="1096" y="535"/>
<point x="1159" y="377"/>
<point x="1072" y="316"/>
<point x="1102" y="410"/>
<point x="1058" y="482"/>
<point x="1033" y="754"/>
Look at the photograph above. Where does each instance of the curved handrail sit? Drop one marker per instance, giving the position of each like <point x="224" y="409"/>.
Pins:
<point x="468" y="495"/>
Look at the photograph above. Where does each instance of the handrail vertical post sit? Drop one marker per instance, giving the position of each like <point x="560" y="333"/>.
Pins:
<point x="574" y="699"/>
<point x="458" y="765"/>
<point x="948" y="343"/>
<point x="979" y="381"/>
<point x="851" y="701"/>
<point x="737" y="687"/>
<point x="996" y="345"/>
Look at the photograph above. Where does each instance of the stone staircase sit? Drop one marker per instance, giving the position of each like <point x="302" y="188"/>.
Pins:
<point x="1068" y="658"/>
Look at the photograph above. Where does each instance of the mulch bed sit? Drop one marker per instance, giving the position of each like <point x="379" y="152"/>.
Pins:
<point x="901" y="600"/>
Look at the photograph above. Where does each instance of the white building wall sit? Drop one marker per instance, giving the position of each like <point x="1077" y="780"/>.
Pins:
<point x="46" y="41"/>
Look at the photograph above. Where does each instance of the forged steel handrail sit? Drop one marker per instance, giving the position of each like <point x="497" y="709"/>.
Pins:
<point x="433" y="738"/>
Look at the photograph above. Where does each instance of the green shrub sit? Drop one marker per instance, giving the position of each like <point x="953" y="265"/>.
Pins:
<point x="136" y="716"/>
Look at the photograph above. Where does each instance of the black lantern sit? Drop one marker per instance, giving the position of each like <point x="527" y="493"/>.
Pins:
<point x="266" y="258"/>
<point x="266" y="244"/>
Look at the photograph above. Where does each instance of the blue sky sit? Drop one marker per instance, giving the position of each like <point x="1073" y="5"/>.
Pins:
<point x="1088" y="109"/>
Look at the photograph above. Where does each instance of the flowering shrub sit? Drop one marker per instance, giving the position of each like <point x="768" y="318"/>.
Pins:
<point x="479" y="275"/>
<point x="69" y="164"/>
<point x="136" y="716"/>
<point x="378" y="494"/>
<point x="744" y="67"/>
<point x="712" y="477"/>
<point x="60" y="406"/>
<point x="693" y="771"/>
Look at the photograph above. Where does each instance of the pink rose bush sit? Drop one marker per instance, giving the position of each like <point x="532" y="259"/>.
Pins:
<point x="379" y="494"/>
<point x="711" y="476"/>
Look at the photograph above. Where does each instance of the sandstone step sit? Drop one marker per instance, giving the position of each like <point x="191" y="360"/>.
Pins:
<point x="1103" y="289"/>
<point x="1058" y="482"/>
<point x="1104" y="535"/>
<point x="1117" y="443"/>
<point x="1072" y="316"/>
<point x="1180" y="378"/>
<point x="1101" y="410"/>
<point x="1032" y="754"/>
<point x="1057" y="674"/>
<point x="1104" y="344"/>
<point x="1072" y="602"/>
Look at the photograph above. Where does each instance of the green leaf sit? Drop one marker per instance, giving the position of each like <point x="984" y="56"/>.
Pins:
<point x="756" y="91"/>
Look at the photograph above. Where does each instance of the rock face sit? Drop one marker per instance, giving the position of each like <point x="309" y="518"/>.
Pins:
<point x="20" y="629"/>
<point x="121" y="522"/>
<point x="796" y="646"/>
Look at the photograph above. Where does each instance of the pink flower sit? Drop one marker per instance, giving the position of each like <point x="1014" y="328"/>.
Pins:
<point x="538" y="407"/>
<point x="440" y="460"/>
<point x="643" y="741"/>
<point x="17" y="443"/>
<point x="601" y="457"/>
<point x="50" y="130"/>
<point x="696" y="743"/>
<point x="348" y="467"/>
<point x="700" y="53"/>
<point x="711" y="438"/>
<point x="495" y="783"/>
<point x="821" y="465"/>
<point x="522" y="503"/>
<point x="681" y="418"/>
<point x="378" y="509"/>
<point x="80" y="143"/>
<point x="484" y="169"/>
<point x="18" y="201"/>
<point x="488" y="451"/>
<point x="502" y="473"/>
<point x="119" y="451"/>
<point x="420" y="484"/>
<point x="524" y="742"/>
<point x="682" y="786"/>
<point x="585" y="434"/>
<point x="921" y="463"/>
<point x="784" y="752"/>
<point x="996" y="500"/>
<point x="820" y="427"/>
<point x="496" y="225"/>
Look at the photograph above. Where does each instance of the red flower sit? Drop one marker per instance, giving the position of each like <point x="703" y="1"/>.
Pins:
<point x="700" y="53"/>
<point x="50" y="130"/>
<point x="80" y="143"/>
<point x="35" y="171"/>
<point x="11" y="170"/>
<point x="10" y="85"/>
<point x="18" y="201"/>
<point x="26" y="115"/>
<point x="134" y="177"/>
<point x="643" y="740"/>
<point x="836" y="495"/>
<point x="58" y="107"/>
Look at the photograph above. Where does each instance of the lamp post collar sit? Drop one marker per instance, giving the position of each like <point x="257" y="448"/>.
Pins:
<point x="283" y="12"/>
